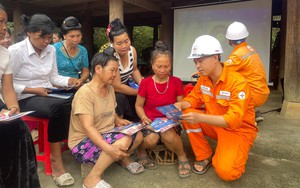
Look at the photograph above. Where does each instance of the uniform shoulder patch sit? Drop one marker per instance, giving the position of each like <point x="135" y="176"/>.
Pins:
<point x="242" y="95"/>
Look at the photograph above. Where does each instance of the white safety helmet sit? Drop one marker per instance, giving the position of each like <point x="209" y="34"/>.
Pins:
<point x="236" y="31"/>
<point x="205" y="45"/>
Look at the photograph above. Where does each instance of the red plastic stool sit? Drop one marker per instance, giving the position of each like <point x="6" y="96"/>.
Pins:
<point x="42" y="141"/>
<point x="188" y="88"/>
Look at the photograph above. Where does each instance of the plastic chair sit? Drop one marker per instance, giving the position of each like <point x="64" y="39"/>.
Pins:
<point x="188" y="88"/>
<point x="44" y="150"/>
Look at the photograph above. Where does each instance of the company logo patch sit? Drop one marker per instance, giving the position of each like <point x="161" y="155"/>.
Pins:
<point x="195" y="49"/>
<point x="242" y="95"/>
<point x="250" y="48"/>
<point x="229" y="61"/>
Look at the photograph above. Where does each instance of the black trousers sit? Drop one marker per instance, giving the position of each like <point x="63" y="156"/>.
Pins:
<point x="18" y="168"/>
<point x="126" y="106"/>
<point x="57" y="110"/>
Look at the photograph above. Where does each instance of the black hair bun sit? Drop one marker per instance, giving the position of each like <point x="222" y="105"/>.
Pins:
<point x="161" y="46"/>
<point x="24" y="20"/>
<point x="71" y="21"/>
<point x="110" y="51"/>
<point x="116" y="24"/>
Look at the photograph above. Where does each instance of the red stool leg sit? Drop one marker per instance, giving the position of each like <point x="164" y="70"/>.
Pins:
<point x="44" y="145"/>
<point x="47" y="151"/>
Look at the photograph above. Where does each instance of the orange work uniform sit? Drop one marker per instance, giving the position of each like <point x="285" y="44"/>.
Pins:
<point x="231" y="98"/>
<point x="245" y="60"/>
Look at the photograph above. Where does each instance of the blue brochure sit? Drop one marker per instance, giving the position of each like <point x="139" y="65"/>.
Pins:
<point x="170" y="111"/>
<point x="162" y="124"/>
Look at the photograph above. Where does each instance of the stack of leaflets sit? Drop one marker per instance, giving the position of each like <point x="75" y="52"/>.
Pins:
<point x="128" y="129"/>
<point x="172" y="118"/>
<point x="4" y="117"/>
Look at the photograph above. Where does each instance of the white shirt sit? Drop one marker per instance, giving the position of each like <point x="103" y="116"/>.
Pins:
<point x="31" y="70"/>
<point x="5" y="66"/>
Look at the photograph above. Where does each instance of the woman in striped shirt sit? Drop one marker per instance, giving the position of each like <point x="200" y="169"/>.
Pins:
<point x="127" y="58"/>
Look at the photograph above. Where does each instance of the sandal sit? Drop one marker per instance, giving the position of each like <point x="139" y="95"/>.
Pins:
<point x="134" y="168"/>
<point x="184" y="168"/>
<point x="147" y="163"/>
<point x="63" y="180"/>
<point x="203" y="164"/>
<point x="101" y="184"/>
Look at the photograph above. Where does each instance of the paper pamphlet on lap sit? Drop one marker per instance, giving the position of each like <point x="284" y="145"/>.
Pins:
<point x="6" y="118"/>
<point x="172" y="118"/>
<point x="59" y="90"/>
<point x="128" y="129"/>
<point x="60" y="95"/>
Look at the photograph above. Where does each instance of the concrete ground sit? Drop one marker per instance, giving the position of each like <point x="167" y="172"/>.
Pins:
<point x="274" y="161"/>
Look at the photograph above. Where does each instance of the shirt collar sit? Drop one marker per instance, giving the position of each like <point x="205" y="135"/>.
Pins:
<point x="32" y="51"/>
<point x="221" y="78"/>
<point x="240" y="45"/>
<point x="223" y="74"/>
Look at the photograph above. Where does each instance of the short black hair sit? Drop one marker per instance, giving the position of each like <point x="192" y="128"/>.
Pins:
<point x="36" y="23"/>
<point x="102" y="58"/>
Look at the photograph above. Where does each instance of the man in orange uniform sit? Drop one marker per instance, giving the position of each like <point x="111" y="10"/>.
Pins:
<point x="228" y="117"/>
<point x="245" y="60"/>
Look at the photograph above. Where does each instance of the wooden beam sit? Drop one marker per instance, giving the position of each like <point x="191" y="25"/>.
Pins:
<point x="146" y="4"/>
<point x="116" y="10"/>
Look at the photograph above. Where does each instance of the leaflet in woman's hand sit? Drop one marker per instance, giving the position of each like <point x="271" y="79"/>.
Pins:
<point x="170" y="111"/>
<point x="6" y="118"/>
<point x="162" y="124"/>
<point x="128" y="129"/>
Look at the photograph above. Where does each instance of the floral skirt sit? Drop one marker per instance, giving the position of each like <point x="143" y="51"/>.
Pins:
<point x="87" y="152"/>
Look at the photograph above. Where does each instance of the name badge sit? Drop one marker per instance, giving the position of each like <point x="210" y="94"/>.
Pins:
<point x="205" y="88"/>
<point x="225" y="93"/>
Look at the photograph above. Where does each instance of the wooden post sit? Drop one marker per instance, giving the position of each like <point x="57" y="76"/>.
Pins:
<point x="155" y="34"/>
<point x="116" y="10"/>
<point x="17" y="13"/>
<point x="167" y="29"/>
<point x="88" y="34"/>
<point x="291" y="104"/>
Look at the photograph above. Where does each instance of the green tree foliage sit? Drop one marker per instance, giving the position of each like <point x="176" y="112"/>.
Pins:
<point x="100" y="38"/>
<point x="142" y="38"/>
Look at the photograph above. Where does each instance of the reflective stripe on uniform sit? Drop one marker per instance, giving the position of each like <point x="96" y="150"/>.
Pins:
<point x="247" y="55"/>
<point x="193" y="130"/>
<point x="207" y="93"/>
<point x="223" y="97"/>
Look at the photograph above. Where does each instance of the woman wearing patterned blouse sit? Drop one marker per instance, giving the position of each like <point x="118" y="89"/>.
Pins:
<point x="127" y="58"/>
<point x="72" y="58"/>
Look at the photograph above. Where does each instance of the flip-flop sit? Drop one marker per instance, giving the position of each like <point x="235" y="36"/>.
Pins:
<point x="101" y="184"/>
<point x="202" y="163"/>
<point x="183" y="168"/>
<point x="149" y="164"/>
<point x="134" y="168"/>
<point x="63" y="180"/>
